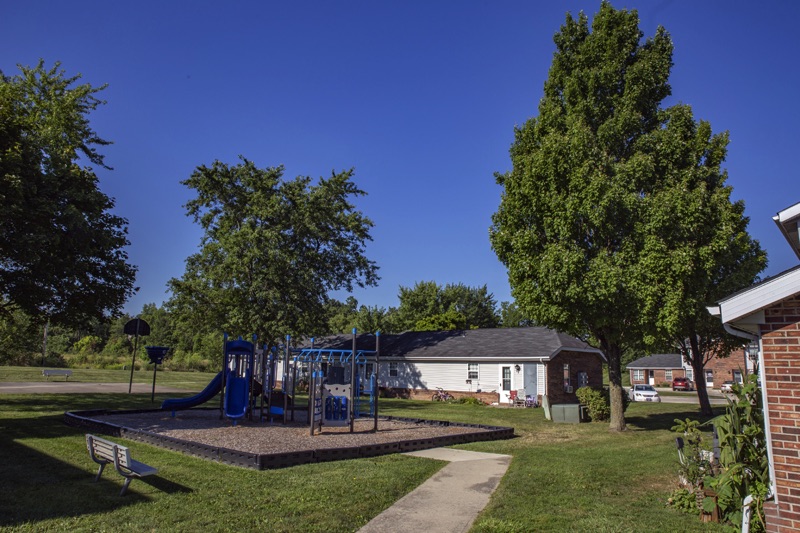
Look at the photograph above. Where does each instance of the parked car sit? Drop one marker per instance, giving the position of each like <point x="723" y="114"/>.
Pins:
<point x="681" y="384"/>
<point x="727" y="386"/>
<point x="644" y="393"/>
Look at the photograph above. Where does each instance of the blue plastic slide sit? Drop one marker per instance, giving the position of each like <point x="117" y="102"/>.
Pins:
<point x="205" y="395"/>
<point x="237" y="395"/>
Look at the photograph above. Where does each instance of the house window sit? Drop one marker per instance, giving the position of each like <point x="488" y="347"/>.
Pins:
<point x="506" y="378"/>
<point x="472" y="371"/>
<point x="668" y="375"/>
<point x="709" y="377"/>
<point x="737" y="376"/>
<point x="567" y="382"/>
<point x="583" y="379"/>
<point x="638" y="375"/>
<point x="368" y="370"/>
<point x="690" y="374"/>
<point x="393" y="370"/>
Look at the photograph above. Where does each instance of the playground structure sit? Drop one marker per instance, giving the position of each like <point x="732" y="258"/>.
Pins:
<point x="342" y="384"/>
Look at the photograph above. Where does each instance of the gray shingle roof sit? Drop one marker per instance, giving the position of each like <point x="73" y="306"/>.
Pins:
<point x="658" y="360"/>
<point x="528" y="343"/>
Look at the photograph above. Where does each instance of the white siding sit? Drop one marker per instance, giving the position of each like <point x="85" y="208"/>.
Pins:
<point x="541" y="388"/>
<point x="449" y="376"/>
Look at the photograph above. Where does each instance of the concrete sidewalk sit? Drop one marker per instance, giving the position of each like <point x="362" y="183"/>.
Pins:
<point x="78" y="387"/>
<point x="450" y="500"/>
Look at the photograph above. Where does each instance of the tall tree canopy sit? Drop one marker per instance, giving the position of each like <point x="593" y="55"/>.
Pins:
<point x="271" y="252"/>
<point x="62" y="256"/>
<point x="344" y="316"/>
<point x="698" y="244"/>
<point x="430" y="306"/>
<point x="604" y="184"/>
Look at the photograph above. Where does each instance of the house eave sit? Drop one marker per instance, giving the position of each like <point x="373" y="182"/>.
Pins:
<point x="747" y="307"/>
<point x="788" y="222"/>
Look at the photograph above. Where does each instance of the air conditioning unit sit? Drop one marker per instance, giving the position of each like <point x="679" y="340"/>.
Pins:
<point x="569" y="390"/>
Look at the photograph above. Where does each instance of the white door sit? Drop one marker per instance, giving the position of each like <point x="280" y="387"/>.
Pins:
<point x="505" y="384"/>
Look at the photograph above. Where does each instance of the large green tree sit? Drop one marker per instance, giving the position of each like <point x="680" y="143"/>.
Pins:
<point x="697" y="240"/>
<point x="511" y="316"/>
<point x="62" y="251"/>
<point x="585" y="225"/>
<point x="428" y="305"/>
<point x="271" y="252"/>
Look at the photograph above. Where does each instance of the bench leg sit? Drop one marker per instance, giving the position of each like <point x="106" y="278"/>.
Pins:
<point x="125" y="486"/>
<point x="99" y="472"/>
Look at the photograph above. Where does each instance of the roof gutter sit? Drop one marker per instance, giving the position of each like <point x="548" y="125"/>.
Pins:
<point x="736" y="332"/>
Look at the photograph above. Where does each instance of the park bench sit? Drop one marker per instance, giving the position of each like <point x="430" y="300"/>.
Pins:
<point x="105" y="452"/>
<point x="57" y="372"/>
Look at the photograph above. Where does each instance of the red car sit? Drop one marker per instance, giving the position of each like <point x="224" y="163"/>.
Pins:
<point x="681" y="384"/>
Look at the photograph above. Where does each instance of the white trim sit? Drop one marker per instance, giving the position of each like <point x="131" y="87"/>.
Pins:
<point x="739" y="307"/>
<point x="767" y="423"/>
<point x="583" y="350"/>
<point x="788" y="222"/>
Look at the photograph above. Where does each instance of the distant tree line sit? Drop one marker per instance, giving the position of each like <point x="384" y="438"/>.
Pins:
<point x="197" y="345"/>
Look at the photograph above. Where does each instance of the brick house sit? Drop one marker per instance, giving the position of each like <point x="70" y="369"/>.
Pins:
<point x="657" y="369"/>
<point x="487" y="363"/>
<point x="769" y="313"/>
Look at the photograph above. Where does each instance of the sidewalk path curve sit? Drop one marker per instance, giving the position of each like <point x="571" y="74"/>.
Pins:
<point x="450" y="500"/>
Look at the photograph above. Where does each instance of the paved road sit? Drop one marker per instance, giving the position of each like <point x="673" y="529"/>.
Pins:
<point x="78" y="387"/>
<point x="716" y="398"/>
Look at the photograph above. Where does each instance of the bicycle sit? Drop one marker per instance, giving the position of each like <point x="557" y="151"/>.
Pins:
<point x="441" y="395"/>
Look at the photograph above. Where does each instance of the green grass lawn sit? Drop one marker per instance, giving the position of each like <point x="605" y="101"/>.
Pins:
<point x="562" y="477"/>
<point x="191" y="381"/>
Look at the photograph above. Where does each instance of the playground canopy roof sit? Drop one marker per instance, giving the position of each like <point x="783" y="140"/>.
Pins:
<point x="528" y="344"/>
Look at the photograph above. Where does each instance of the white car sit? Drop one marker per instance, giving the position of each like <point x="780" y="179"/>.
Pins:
<point x="643" y="393"/>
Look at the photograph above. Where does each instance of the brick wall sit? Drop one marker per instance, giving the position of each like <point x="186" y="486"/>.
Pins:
<point x="427" y="394"/>
<point x="780" y="338"/>
<point x="659" y="376"/>
<point x="578" y="362"/>
<point x="724" y="367"/>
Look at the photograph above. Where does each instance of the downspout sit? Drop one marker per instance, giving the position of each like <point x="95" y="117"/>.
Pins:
<point x="746" y="510"/>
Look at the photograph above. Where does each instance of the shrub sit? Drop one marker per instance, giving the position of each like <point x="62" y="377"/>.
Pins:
<point x="597" y="400"/>
<point x="89" y="344"/>
<point x="743" y="456"/>
<point x="469" y="400"/>
<point x="742" y="469"/>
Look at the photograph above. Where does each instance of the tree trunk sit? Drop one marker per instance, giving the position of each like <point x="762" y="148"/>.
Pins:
<point x="614" y="355"/>
<point x="698" y="368"/>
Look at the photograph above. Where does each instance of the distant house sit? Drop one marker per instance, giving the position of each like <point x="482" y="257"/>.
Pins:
<point x="488" y="363"/>
<point x="657" y="369"/>
<point x="768" y="313"/>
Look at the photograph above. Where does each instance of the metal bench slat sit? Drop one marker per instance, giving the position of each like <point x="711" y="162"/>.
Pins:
<point x="106" y="452"/>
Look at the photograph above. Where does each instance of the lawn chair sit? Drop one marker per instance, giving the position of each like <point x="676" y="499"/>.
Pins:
<point x="518" y="397"/>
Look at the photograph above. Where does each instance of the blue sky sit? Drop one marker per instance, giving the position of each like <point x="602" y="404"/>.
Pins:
<point x="420" y="97"/>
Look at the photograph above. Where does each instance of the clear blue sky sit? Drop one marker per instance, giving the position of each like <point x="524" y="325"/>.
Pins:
<point x="420" y="97"/>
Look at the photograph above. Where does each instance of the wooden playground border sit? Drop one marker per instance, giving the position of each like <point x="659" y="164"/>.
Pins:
<point x="86" y="420"/>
